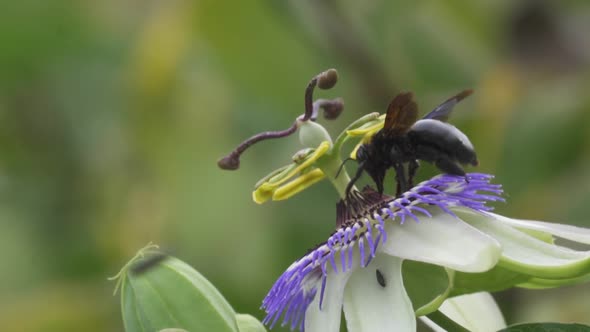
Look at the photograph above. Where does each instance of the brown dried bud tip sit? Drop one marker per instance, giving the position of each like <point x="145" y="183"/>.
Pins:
<point x="327" y="79"/>
<point x="230" y="162"/>
<point x="333" y="108"/>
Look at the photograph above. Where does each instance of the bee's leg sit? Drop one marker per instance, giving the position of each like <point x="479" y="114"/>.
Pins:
<point x="357" y="176"/>
<point x="402" y="184"/>
<point x="450" y="167"/>
<point x="412" y="168"/>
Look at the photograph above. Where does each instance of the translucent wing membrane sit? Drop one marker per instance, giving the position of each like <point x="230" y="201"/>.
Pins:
<point x="443" y="111"/>
<point x="402" y="112"/>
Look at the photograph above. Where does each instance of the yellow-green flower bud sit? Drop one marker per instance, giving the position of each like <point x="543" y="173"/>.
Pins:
<point x="160" y="292"/>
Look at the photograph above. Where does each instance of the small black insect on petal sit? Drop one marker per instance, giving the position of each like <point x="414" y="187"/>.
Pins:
<point x="380" y="278"/>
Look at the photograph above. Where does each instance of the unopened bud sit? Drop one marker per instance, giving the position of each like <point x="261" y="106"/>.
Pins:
<point x="160" y="292"/>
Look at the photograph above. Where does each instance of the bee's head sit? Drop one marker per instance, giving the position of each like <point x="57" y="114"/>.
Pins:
<point x="361" y="154"/>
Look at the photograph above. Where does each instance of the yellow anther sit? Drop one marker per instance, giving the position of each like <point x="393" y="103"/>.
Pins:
<point x="299" y="184"/>
<point x="265" y="191"/>
<point x="366" y="132"/>
<point x="320" y="151"/>
<point x="367" y="129"/>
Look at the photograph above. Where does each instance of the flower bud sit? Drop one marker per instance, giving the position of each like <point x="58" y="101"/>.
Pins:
<point x="160" y="292"/>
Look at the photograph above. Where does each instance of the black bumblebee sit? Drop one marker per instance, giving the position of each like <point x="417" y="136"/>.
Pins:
<point x="404" y="140"/>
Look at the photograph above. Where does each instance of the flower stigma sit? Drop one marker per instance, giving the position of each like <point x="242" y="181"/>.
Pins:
<point x="332" y="109"/>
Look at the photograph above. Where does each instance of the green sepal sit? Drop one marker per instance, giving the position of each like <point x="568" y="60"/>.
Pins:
<point x="494" y="280"/>
<point x="540" y="283"/>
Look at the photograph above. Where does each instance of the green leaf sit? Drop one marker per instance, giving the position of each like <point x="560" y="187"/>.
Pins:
<point x="547" y="327"/>
<point x="248" y="323"/>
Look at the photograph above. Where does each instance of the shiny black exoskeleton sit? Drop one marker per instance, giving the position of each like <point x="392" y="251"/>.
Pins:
<point x="404" y="141"/>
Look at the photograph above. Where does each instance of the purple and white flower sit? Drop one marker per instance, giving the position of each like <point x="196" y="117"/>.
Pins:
<point x="444" y="221"/>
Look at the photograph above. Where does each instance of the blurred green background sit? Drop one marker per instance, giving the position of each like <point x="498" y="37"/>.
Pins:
<point x="114" y="113"/>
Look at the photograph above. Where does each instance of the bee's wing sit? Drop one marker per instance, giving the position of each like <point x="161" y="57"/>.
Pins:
<point x="402" y="113"/>
<point x="443" y="111"/>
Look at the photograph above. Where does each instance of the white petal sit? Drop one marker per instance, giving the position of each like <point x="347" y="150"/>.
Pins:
<point x="428" y="322"/>
<point x="442" y="240"/>
<point x="527" y="254"/>
<point x="573" y="233"/>
<point x="327" y="319"/>
<point x="368" y="306"/>
<point x="476" y="312"/>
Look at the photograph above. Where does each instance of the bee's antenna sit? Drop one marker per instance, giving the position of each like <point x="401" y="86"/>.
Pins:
<point x="342" y="166"/>
<point x="357" y="176"/>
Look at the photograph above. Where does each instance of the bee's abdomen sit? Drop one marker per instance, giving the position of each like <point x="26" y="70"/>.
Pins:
<point x="444" y="138"/>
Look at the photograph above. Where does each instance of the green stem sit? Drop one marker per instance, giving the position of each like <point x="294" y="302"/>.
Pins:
<point x="445" y="322"/>
<point x="330" y="164"/>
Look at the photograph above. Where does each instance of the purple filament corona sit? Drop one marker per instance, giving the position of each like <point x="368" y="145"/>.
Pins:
<point x="297" y="287"/>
